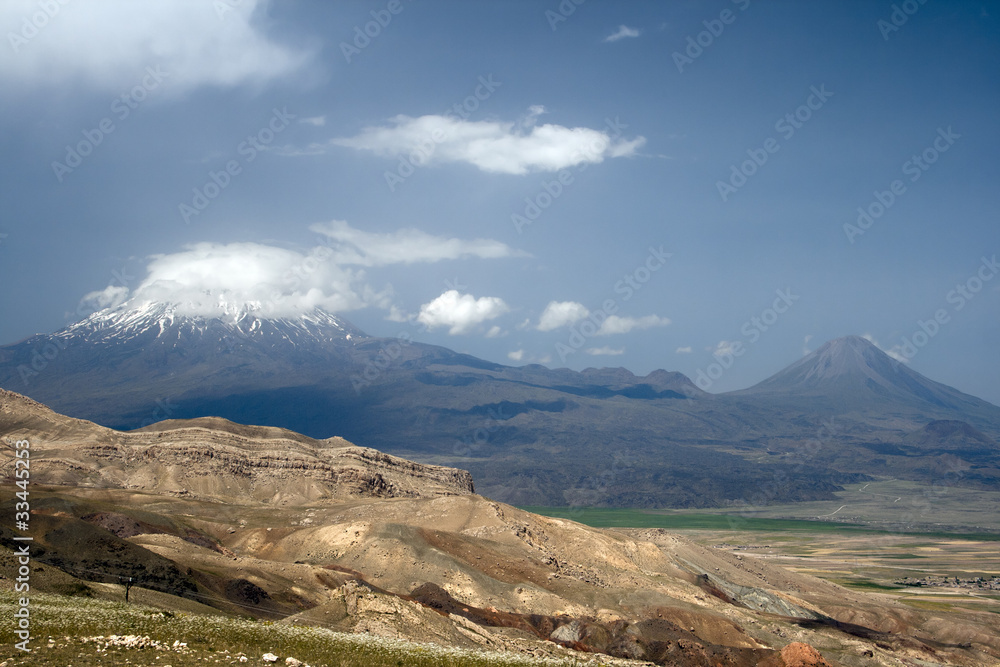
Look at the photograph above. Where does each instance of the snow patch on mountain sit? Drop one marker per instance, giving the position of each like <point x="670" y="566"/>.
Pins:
<point x="248" y="320"/>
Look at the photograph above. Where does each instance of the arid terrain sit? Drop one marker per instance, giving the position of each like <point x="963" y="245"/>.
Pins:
<point x="207" y="516"/>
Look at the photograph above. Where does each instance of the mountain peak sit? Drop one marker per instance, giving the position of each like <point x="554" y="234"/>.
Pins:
<point x="853" y="373"/>
<point x="852" y="341"/>
<point x="250" y="320"/>
<point x="851" y="362"/>
<point x="848" y="356"/>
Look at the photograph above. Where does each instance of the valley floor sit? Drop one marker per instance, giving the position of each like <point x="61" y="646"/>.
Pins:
<point x="884" y="506"/>
<point x="931" y="549"/>
<point x="946" y="575"/>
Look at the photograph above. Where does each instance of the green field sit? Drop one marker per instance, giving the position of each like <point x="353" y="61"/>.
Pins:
<point x="862" y="556"/>
<point x="606" y="517"/>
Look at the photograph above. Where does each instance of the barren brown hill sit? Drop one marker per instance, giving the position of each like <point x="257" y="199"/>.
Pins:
<point x="211" y="457"/>
<point x="270" y="523"/>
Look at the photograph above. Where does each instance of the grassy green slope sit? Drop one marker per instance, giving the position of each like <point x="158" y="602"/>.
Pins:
<point x="65" y="632"/>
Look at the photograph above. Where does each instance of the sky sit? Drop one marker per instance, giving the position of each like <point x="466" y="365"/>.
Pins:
<point x="715" y="187"/>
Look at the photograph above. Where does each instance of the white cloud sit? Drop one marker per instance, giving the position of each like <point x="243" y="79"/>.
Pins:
<point x="622" y="32"/>
<point x="315" y="121"/>
<point x="620" y="325"/>
<point x="560" y="314"/>
<point x="111" y="296"/>
<point x="531" y="118"/>
<point x="494" y="332"/>
<point x="208" y="279"/>
<point x="605" y="351"/>
<point x="724" y="348"/>
<point x="683" y="350"/>
<point x="515" y="355"/>
<point x="405" y="246"/>
<point x="397" y="315"/>
<point x="896" y="351"/>
<point x="460" y="312"/>
<point x="491" y="146"/>
<point x="805" y="344"/>
<point x="109" y="44"/>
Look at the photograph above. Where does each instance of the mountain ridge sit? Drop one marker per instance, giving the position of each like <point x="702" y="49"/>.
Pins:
<point x="529" y="434"/>
<point x="213" y="458"/>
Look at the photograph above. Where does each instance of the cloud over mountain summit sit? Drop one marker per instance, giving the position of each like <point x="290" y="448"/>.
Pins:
<point x="205" y="278"/>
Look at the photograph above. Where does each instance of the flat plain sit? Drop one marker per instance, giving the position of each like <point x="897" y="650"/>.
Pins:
<point x="932" y="548"/>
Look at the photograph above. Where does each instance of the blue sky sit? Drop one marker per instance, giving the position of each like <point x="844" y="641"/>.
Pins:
<point x="637" y="184"/>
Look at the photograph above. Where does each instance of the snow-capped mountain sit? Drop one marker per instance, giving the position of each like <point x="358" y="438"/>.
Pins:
<point x="122" y="365"/>
<point x="166" y="324"/>
<point x="533" y="435"/>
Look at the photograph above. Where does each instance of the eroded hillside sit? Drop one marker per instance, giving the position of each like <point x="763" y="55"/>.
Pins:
<point x="271" y="524"/>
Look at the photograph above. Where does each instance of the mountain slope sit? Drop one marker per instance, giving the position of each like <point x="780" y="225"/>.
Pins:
<point x="530" y="435"/>
<point x="448" y="567"/>
<point x="851" y="371"/>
